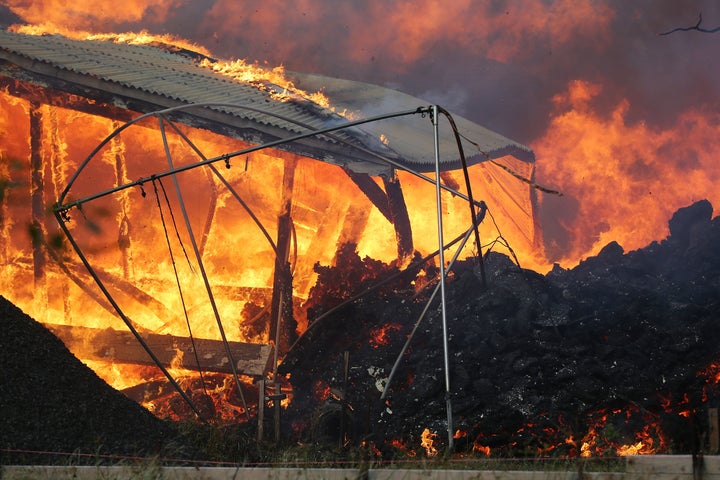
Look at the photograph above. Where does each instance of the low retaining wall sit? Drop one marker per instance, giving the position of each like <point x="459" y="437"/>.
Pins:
<point x="644" y="467"/>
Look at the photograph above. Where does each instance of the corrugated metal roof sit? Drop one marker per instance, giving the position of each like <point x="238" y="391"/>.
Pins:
<point x="169" y="79"/>
<point x="151" y="70"/>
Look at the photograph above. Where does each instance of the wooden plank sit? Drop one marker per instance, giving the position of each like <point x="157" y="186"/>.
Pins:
<point x="118" y="346"/>
<point x="670" y="467"/>
<point x="714" y="440"/>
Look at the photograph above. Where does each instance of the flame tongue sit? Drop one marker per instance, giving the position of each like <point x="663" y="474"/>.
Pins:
<point x="427" y="440"/>
<point x="627" y="178"/>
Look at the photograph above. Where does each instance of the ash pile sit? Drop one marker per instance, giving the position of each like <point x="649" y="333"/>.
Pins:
<point x="619" y="346"/>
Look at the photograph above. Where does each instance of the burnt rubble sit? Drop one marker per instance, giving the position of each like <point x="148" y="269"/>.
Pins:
<point x="621" y="342"/>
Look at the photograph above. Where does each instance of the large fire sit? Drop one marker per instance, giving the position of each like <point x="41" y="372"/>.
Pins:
<point x="629" y="178"/>
<point x="621" y="178"/>
<point x="140" y="246"/>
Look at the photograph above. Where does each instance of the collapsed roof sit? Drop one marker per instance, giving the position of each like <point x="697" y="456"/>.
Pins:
<point x="145" y="78"/>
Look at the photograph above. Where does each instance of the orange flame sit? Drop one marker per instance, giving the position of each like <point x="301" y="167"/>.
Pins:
<point x="427" y="439"/>
<point x="621" y="173"/>
<point x="485" y="450"/>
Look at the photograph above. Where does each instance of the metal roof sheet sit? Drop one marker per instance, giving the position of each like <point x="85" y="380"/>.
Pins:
<point x="169" y="79"/>
<point x="144" y="68"/>
<point x="407" y="136"/>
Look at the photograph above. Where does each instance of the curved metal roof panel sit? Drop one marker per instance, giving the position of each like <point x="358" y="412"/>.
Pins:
<point x="153" y="70"/>
<point x="162" y="79"/>
<point x="407" y="136"/>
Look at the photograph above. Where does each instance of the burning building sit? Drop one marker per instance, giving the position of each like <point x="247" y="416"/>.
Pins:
<point x="241" y="229"/>
<point x="200" y="196"/>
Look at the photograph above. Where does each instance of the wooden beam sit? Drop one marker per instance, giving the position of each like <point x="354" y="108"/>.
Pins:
<point x="400" y="217"/>
<point x="713" y="440"/>
<point x="119" y="346"/>
<point x="37" y="188"/>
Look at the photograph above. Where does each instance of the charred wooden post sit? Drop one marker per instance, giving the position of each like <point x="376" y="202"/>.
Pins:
<point x="343" y="398"/>
<point x="391" y="203"/>
<point x="37" y="184"/>
<point x="400" y="217"/>
<point x="124" y="227"/>
<point x="277" y="397"/>
<point x="354" y="225"/>
<point x="212" y="208"/>
<point x="283" y="328"/>
<point x="714" y="440"/>
<point x="261" y="409"/>
<point x="282" y="331"/>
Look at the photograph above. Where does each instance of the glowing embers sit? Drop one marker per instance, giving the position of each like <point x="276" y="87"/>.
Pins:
<point x="380" y="335"/>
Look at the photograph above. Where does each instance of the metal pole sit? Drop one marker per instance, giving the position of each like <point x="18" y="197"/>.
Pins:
<point x="386" y="390"/>
<point x="203" y="273"/>
<point x="441" y="257"/>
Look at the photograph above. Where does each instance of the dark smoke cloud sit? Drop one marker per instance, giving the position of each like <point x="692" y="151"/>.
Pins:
<point x="499" y="63"/>
<point x="659" y="75"/>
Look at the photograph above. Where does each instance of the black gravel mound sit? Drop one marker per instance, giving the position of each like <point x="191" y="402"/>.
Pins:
<point x="52" y="402"/>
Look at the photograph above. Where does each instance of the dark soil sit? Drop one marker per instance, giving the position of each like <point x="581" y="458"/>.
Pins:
<point x="52" y="402"/>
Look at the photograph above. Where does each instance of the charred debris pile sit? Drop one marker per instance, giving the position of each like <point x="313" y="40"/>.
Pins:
<point x="621" y="345"/>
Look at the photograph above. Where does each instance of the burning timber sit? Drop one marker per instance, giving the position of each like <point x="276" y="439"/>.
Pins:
<point x="110" y="345"/>
<point x="117" y="214"/>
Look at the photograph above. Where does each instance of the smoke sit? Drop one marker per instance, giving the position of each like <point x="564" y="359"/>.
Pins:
<point x="502" y="64"/>
<point x="501" y="61"/>
<point x="92" y="16"/>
